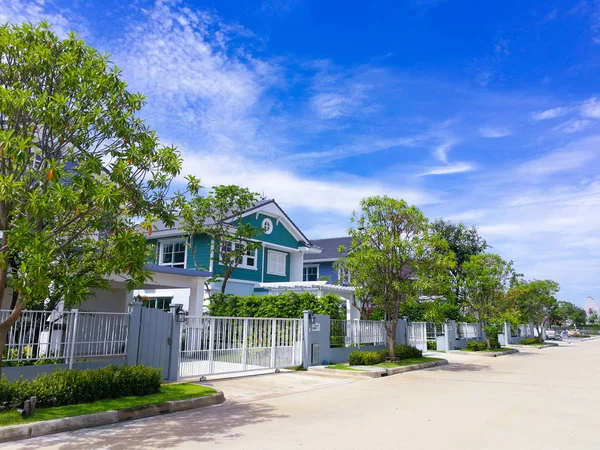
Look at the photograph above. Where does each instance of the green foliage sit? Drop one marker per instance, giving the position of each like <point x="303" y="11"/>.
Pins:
<point x="464" y="243"/>
<point x="219" y="215"/>
<point x="475" y="346"/>
<point x="431" y="345"/>
<point x="568" y="314"/>
<point x="78" y="169"/>
<point x="394" y="256"/>
<point x="362" y="358"/>
<point x="284" y="305"/>
<point x="535" y="301"/>
<point x="67" y="387"/>
<point x="531" y="341"/>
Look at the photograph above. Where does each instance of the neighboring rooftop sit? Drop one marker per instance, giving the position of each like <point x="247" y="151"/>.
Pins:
<point x="330" y="248"/>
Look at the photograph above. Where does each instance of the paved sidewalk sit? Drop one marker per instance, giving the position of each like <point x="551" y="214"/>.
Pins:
<point x="535" y="400"/>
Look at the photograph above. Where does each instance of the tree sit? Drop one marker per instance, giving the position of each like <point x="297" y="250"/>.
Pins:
<point x="567" y="314"/>
<point x="487" y="281"/>
<point x="536" y="301"/>
<point x="593" y="318"/>
<point x="394" y="256"/>
<point x="77" y="168"/>
<point x="464" y="243"/>
<point x="220" y="216"/>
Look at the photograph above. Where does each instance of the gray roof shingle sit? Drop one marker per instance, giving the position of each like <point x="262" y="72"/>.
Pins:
<point x="330" y="248"/>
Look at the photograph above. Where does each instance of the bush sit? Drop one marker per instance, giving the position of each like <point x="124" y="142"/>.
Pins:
<point x="475" y="346"/>
<point x="360" y="358"/>
<point x="68" y="387"/>
<point x="431" y="345"/>
<point x="285" y="305"/>
<point x="531" y="341"/>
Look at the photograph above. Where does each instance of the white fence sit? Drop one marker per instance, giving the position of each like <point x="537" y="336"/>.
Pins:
<point x="65" y="335"/>
<point x="350" y="333"/>
<point x="211" y="345"/>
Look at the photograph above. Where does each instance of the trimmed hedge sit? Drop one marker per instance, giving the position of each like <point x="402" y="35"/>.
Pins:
<point x="431" y="345"/>
<point x="285" y="305"/>
<point x="531" y="341"/>
<point x="69" y="387"/>
<point x="360" y="358"/>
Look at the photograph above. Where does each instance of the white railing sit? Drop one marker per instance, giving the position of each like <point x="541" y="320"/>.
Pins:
<point x="211" y="345"/>
<point x="434" y="330"/>
<point x="350" y="333"/>
<point x="468" y="330"/>
<point x="65" y="335"/>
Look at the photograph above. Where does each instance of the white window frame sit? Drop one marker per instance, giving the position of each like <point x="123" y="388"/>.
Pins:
<point x="162" y="243"/>
<point x="340" y="271"/>
<point x="310" y="266"/>
<point x="270" y="269"/>
<point x="244" y="262"/>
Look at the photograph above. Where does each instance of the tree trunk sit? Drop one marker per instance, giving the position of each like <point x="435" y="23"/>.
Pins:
<point x="390" y="329"/>
<point x="488" y="341"/>
<point x="5" y="327"/>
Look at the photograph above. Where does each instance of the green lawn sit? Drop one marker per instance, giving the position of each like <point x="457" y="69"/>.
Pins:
<point x="167" y="393"/>
<point x="341" y="367"/>
<point x="407" y="362"/>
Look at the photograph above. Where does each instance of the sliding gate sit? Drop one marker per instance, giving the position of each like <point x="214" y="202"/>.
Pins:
<point x="218" y="345"/>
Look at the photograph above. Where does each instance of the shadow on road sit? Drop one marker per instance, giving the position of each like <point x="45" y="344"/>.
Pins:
<point x="201" y="426"/>
<point x="461" y="367"/>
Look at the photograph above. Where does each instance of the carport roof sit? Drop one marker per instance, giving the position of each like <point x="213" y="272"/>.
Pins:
<point x="177" y="271"/>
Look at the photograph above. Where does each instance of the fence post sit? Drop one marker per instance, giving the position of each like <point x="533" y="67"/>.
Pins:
<point x="507" y="334"/>
<point x="244" y="343"/>
<point x="306" y="361"/>
<point x="273" y="338"/>
<point x="175" y="347"/>
<point x="211" y="344"/>
<point x="75" y="315"/>
<point x="448" y="327"/>
<point x="133" y="338"/>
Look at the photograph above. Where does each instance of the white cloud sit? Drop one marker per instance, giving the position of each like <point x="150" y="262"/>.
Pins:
<point x="339" y="195"/>
<point x="62" y="21"/>
<point x="492" y="132"/>
<point x="573" y="156"/>
<point x="448" y="169"/>
<point x="591" y="108"/>
<point x="572" y="126"/>
<point x="550" y="113"/>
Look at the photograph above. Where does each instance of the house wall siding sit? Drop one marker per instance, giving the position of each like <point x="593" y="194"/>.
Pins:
<point x="326" y="270"/>
<point x="270" y="278"/>
<point x="280" y="235"/>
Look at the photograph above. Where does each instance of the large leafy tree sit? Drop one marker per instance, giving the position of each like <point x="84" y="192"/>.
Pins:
<point x="464" y="242"/>
<point x="220" y="216"/>
<point x="394" y="256"/>
<point x="535" y="301"/>
<point x="568" y="314"/>
<point x="488" y="279"/>
<point x="77" y="168"/>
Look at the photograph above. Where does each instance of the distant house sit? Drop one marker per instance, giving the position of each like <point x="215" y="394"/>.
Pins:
<point x="320" y="266"/>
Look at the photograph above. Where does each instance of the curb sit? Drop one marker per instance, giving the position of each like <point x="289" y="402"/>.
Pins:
<point x="486" y="354"/>
<point x="377" y="373"/>
<point x="42" y="428"/>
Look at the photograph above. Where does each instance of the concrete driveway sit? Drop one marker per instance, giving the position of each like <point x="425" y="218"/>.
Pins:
<point x="538" y="399"/>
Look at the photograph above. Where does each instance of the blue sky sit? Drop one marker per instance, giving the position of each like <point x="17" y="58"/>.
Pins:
<point x="481" y="112"/>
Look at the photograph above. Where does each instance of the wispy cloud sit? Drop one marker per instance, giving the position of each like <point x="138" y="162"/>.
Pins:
<point x="449" y="169"/>
<point x="572" y="126"/>
<point x="63" y="21"/>
<point x="550" y="113"/>
<point x="494" y="132"/>
<point x="591" y="108"/>
<point x="573" y="156"/>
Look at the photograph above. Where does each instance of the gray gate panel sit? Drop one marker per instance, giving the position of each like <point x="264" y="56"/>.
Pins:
<point x="154" y="348"/>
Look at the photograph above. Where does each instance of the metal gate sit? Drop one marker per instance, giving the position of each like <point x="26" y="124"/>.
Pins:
<point x="154" y="348"/>
<point x="417" y="335"/>
<point x="218" y="345"/>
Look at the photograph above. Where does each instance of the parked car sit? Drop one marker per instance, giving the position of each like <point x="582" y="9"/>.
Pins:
<point x="551" y="334"/>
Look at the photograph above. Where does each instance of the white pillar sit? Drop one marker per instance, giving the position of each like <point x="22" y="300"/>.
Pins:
<point x="296" y="263"/>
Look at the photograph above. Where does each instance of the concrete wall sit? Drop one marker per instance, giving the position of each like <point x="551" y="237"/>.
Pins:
<point x="106" y="301"/>
<point x="30" y="372"/>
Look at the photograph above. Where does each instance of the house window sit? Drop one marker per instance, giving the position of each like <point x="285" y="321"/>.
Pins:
<point x="267" y="226"/>
<point x="173" y="254"/>
<point x="344" y="277"/>
<point x="310" y="273"/>
<point x="248" y="260"/>
<point x="163" y="303"/>
<point x="276" y="263"/>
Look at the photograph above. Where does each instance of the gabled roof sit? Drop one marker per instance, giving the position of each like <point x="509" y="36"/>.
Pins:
<point x="330" y="249"/>
<point x="267" y="206"/>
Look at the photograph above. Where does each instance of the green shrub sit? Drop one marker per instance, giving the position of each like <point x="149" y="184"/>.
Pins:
<point x="285" y="305"/>
<point x="407" y="352"/>
<point x="531" y="341"/>
<point x="431" y="345"/>
<point x="475" y="346"/>
<point x="358" y="358"/>
<point x="68" y="387"/>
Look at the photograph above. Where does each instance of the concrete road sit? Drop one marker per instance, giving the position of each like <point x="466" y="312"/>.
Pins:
<point x="538" y="399"/>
